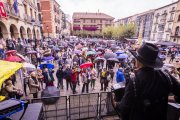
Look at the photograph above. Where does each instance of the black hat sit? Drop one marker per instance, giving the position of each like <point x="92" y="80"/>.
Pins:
<point x="147" y="54"/>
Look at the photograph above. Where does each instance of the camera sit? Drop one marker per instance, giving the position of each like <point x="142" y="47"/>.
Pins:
<point x="118" y="89"/>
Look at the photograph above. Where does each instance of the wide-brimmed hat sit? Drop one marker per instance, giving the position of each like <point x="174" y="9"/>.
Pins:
<point x="147" y="54"/>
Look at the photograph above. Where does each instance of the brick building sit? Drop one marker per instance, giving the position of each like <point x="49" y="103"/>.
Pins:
<point x="51" y="18"/>
<point x="92" y="23"/>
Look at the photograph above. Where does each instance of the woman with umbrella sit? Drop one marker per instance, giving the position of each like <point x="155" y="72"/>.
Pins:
<point x="85" y="81"/>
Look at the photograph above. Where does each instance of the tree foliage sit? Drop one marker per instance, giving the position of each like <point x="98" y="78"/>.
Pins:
<point x="119" y="32"/>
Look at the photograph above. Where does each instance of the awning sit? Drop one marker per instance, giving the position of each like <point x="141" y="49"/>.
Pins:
<point x="7" y="70"/>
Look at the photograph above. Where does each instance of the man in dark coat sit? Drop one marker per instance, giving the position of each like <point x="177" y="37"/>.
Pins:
<point x="48" y="77"/>
<point x="146" y="95"/>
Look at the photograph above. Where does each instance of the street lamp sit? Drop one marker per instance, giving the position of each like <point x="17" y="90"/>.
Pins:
<point x="47" y="28"/>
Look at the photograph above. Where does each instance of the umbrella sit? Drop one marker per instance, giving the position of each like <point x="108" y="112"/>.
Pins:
<point x="56" y="48"/>
<point x="48" y="65"/>
<point x="21" y="56"/>
<point x="162" y="56"/>
<point x="77" y="52"/>
<point x="109" y="55"/>
<point x="29" y="66"/>
<point x="31" y="52"/>
<point x="99" y="49"/>
<point x="99" y="59"/>
<point x="119" y="52"/>
<point x="48" y="58"/>
<point x="113" y="59"/>
<point x="86" y="65"/>
<point x="84" y="49"/>
<point x="122" y="56"/>
<point x="13" y="59"/>
<point x="97" y="53"/>
<point x="11" y="52"/>
<point x="91" y="53"/>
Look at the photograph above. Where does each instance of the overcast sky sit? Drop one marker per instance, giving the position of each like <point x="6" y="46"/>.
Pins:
<point x="115" y="8"/>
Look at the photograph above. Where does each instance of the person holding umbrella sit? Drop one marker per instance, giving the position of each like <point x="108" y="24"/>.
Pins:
<point x="60" y="76"/>
<point x="74" y="79"/>
<point x="103" y="79"/>
<point x="48" y="77"/>
<point x="85" y="80"/>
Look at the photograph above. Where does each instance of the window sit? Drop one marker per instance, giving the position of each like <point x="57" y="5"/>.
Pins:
<point x="100" y="21"/>
<point x="167" y="37"/>
<point x="161" y="27"/>
<point x="177" y="31"/>
<point x="84" y="20"/>
<point x="25" y="9"/>
<point x="172" y="16"/>
<point x="179" y="18"/>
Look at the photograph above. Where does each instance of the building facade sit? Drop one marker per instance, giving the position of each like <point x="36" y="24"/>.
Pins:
<point x="175" y="35"/>
<point x="92" y="23"/>
<point x="51" y="18"/>
<point x="21" y="22"/>
<point x="143" y="23"/>
<point x="163" y="22"/>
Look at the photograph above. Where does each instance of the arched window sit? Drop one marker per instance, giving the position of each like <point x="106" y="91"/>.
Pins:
<point x="177" y="31"/>
<point x="179" y="18"/>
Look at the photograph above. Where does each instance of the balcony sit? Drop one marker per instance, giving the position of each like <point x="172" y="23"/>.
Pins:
<point x="170" y="20"/>
<point x="168" y="30"/>
<point x="11" y="12"/>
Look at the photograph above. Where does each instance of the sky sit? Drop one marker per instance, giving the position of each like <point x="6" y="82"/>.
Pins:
<point x="115" y="8"/>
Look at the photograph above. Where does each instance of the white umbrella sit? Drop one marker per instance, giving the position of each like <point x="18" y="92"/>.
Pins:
<point x="29" y="66"/>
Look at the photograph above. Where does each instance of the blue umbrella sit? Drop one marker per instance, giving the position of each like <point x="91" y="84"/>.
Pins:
<point x="122" y="56"/>
<point x="47" y="65"/>
<point x="48" y="58"/>
<point x="162" y="56"/>
<point x="119" y="52"/>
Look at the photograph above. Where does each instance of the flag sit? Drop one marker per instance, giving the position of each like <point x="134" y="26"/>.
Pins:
<point x="15" y="6"/>
<point x="2" y="10"/>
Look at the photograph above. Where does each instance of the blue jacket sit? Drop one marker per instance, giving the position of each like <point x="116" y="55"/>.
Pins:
<point x="119" y="76"/>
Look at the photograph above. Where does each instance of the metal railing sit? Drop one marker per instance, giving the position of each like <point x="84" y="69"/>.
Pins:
<point x="78" y="107"/>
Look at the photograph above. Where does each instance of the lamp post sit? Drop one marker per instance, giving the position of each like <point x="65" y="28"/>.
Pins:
<point x="47" y="28"/>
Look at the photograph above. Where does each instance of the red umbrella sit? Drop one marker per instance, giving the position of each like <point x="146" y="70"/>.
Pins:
<point x="11" y="52"/>
<point x="13" y="59"/>
<point x="86" y="65"/>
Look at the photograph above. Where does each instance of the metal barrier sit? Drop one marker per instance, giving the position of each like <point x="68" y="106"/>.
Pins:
<point x="106" y="108"/>
<point x="57" y="111"/>
<point x="83" y="106"/>
<point x="76" y="107"/>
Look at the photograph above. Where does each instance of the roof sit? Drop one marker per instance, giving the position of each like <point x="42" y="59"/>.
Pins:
<point x="167" y="5"/>
<point x="92" y="15"/>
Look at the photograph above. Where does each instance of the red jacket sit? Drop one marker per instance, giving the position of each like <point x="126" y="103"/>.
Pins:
<point x="74" y="77"/>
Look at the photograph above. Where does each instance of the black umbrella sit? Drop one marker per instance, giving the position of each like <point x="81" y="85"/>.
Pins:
<point x="99" y="59"/>
<point x="109" y="55"/>
<point x="113" y="59"/>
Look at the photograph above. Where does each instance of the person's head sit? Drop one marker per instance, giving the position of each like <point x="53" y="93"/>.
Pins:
<point x="92" y="67"/>
<point x="8" y="82"/>
<point x="104" y="69"/>
<point x="68" y="66"/>
<point x="33" y="74"/>
<point x="147" y="56"/>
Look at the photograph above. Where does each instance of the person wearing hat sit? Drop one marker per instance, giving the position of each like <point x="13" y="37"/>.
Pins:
<point x="34" y="85"/>
<point x="146" y="95"/>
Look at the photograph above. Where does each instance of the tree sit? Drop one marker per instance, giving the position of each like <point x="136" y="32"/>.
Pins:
<point x="119" y="32"/>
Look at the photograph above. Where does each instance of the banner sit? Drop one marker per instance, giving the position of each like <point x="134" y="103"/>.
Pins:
<point x="2" y="10"/>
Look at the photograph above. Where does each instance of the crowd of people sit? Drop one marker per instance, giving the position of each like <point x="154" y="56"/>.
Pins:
<point x="68" y="55"/>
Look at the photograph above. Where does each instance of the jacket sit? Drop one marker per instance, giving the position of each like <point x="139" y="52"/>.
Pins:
<point x="33" y="85"/>
<point x="119" y="76"/>
<point x="45" y="74"/>
<point x="146" y="95"/>
<point x="60" y="74"/>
